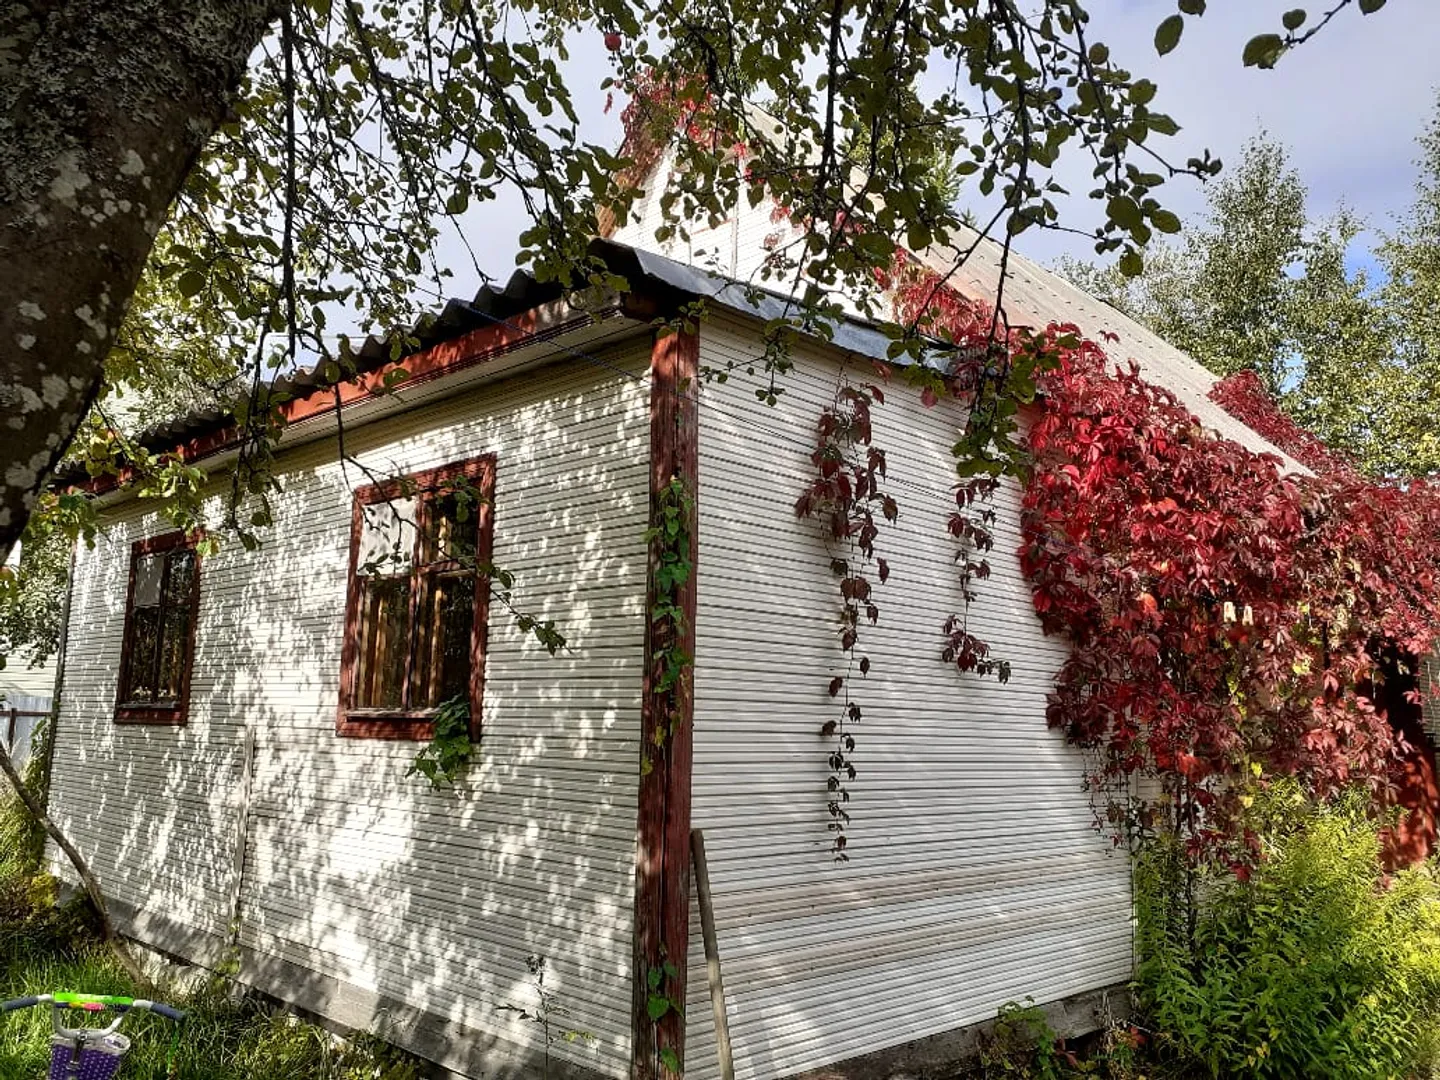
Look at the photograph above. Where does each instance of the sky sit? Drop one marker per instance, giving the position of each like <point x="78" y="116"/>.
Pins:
<point x="1349" y="105"/>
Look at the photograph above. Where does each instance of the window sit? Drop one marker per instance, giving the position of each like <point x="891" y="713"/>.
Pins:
<point x="415" y="618"/>
<point x="159" y="631"/>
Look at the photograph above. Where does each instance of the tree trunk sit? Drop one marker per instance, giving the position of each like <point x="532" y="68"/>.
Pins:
<point x="82" y="869"/>
<point x="104" y="108"/>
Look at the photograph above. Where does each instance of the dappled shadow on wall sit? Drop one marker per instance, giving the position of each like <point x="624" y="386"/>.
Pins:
<point x="407" y="898"/>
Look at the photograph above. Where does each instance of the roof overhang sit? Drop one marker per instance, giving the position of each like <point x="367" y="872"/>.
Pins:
<point x="499" y="333"/>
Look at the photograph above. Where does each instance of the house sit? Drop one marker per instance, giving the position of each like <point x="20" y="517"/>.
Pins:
<point x="25" y="693"/>
<point x="236" y="727"/>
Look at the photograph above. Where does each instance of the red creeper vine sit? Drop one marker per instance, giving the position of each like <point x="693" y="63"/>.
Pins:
<point x="846" y="496"/>
<point x="971" y="525"/>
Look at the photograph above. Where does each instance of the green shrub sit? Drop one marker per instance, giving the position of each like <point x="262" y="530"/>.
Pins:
<point x="1021" y="1044"/>
<point x="22" y="840"/>
<point x="1318" y="966"/>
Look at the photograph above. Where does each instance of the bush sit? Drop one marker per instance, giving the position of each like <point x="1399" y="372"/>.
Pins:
<point x="22" y="840"/>
<point x="1319" y="965"/>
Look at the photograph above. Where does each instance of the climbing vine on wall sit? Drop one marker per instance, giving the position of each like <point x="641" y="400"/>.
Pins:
<point x="1243" y="396"/>
<point x="670" y="532"/>
<point x="1228" y="622"/>
<point x="845" y="491"/>
<point x="845" y="495"/>
<point x="981" y="361"/>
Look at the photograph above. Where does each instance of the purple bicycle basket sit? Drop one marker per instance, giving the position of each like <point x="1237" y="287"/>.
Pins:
<point x="97" y="1058"/>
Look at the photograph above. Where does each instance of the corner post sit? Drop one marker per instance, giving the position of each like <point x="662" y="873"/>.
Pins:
<point x="662" y="857"/>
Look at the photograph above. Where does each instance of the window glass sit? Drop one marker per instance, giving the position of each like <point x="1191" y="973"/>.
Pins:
<point x="144" y="649"/>
<point x="451" y="527"/>
<point x="385" y="628"/>
<point x="159" y="630"/>
<point x="149" y="574"/>
<point x="443" y="669"/>
<point x="387" y="537"/>
<point x="412" y="628"/>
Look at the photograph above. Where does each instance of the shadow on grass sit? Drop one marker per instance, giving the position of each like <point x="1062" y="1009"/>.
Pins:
<point x="47" y="948"/>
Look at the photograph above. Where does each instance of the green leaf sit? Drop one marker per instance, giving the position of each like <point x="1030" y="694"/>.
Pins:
<point x="1167" y="34"/>
<point x="1293" y="19"/>
<point x="1165" y="221"/>
<point x="1193" y="7"/>
<point x="1369" y="7"/>
<point x="1131" y="264"/>
<point x="1143" y="92"/>
<point x="1263" y="50"/>
<point x="1123" y="211"/>
<point x="190" y="283"/>
<point x="657" y="1006"/>
<point x="1162" y="124"/>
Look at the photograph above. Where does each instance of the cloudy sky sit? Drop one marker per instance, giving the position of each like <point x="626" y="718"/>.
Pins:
<point x="1349" y="104"/>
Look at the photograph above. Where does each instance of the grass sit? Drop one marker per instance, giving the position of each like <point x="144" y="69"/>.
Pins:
<point x="48" y="948"/>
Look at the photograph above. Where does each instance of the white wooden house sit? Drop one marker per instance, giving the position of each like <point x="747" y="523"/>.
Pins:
<point x="25" y="693"/>
<point x="223" y="774"/>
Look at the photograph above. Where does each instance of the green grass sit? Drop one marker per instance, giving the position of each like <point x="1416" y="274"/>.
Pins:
<point x="47" y="948"/>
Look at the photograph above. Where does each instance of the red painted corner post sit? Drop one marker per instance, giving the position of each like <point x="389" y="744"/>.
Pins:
<point x="662" y="857"/>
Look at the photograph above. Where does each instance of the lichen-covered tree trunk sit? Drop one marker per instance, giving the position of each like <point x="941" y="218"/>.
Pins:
<point x="104" y="107"/>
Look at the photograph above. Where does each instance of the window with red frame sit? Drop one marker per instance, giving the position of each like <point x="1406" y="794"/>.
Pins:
<point x="415" y="621"/>
<point x="160" y="607"/>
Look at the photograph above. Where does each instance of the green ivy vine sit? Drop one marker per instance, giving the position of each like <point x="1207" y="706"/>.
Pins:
<point x="446" y="756"/>
<point x="670" y="536"/>
<point x="659" y="1004"/>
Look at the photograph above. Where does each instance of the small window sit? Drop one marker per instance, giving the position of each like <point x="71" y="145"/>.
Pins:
<point x="159" y="631"/>
<point x="415" y="618"/>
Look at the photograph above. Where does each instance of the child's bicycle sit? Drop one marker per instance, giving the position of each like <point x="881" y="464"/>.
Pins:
<point x="89" y="1053"/>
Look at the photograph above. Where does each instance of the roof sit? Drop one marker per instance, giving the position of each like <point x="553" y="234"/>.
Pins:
<point x="643" y="270"/>
<point x="521" y="293"/>
<point x="1036" y="297"/>
<point x="1033" y="296"/>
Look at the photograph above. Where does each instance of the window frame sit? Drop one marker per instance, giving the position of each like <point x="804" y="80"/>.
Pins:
<point x="164" y="715"/>
<point x="415" y="724"/>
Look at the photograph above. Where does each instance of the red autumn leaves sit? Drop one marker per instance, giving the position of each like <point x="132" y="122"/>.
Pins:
<point x="1226" y="620"/>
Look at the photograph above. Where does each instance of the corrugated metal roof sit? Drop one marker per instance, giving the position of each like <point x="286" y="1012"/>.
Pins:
<point x="1033" y="296"/>
<point x="850" y="333"/>
<point x="523" y="293"/>
<point x="1036" y="297"/>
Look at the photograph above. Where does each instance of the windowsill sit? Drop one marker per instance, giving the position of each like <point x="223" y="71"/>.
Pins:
<point x="397" y="724"/>
<point x="383" y="724"/>
<point x="391" y="714"/>
<point x="166" y="716"/>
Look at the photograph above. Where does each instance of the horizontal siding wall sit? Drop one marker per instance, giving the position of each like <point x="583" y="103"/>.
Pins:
<point x="20" y="682"/>
<point x="355" y="870"/>
<point x="154" y="809"/>
<point x="976" y="875"/>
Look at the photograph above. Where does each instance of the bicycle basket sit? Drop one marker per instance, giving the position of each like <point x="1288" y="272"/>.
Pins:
<point x="96" y="1058"/>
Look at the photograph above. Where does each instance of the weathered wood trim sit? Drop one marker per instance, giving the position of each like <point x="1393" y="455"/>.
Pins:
<point x="443" y="358"/>
<point x="417" y="724"/>
<point x="662" y="858"/>
<point x="163" y="715"/>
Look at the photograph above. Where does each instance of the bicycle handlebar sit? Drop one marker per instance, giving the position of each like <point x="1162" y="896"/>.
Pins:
<point x="95" y="1003"/>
